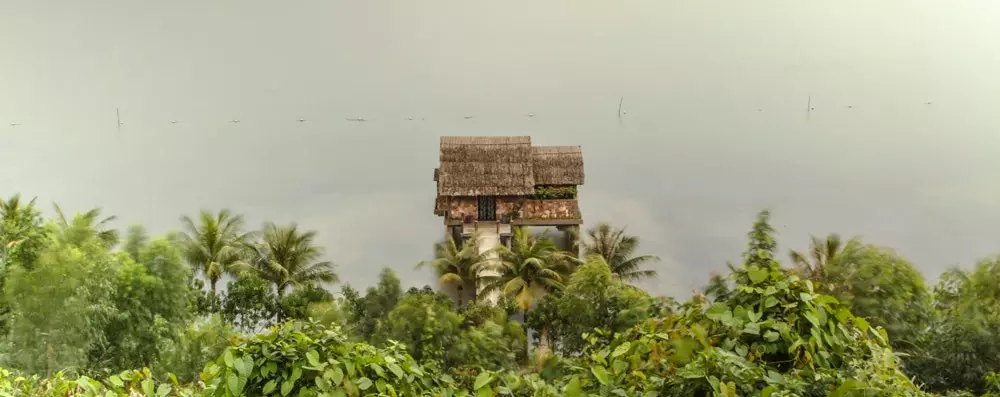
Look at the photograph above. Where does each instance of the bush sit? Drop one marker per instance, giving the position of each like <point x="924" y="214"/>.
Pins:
<point x="307" y="359"/>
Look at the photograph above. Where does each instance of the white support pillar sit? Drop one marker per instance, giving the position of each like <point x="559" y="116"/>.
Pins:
<point x="487" y="241"/>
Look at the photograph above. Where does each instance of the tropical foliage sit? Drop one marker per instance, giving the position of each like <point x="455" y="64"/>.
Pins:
<point x="457" y="266"/>
<point x="212" y="244"/>
<point x="288" y="257"/>
<point x="532" y="267"/>
<point x="86" y="311"/>
<point x="618" y="250"/>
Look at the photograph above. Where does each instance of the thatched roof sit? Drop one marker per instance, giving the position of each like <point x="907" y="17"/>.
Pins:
<point x="504" y="166"/>
<point x="557" y="165"/>
<point x="485" y="166"/>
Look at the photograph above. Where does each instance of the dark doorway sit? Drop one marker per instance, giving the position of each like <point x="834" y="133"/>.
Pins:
<point x="487" y="208"/>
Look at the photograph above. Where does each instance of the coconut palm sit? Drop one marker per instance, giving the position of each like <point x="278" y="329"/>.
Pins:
<point x="90" y="222"/>
<point x="821" y="253"/>
<point x="617" y="249"/>
<point x="213" y="244"/>
<point x="18" y="221"/>
<point x="288" y="257"/>
<point x="16" y="215"/>
<point x="457" y="266"/>
<point x="529" y="269"/>
<point x="136" y="238"/>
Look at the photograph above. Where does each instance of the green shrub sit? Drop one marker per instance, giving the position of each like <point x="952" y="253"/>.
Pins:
<point x="306" y="359"/>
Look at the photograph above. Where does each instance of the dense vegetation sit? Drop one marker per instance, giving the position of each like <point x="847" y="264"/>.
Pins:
<point x="86" y="310"/>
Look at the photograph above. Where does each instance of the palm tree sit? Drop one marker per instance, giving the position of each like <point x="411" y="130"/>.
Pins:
<point x="91" y="222"/>
<point x="822" y="252"/>
<point x="15" y="215"/>
<point x="617" y="249"/>
<point x="135" y="239"/>
<point x="16" y="223"/>
<point x="288" y="257"/>
<point x="457" y="266"/>
<point x="529" y="269"/>
<point x="212" y="246"/>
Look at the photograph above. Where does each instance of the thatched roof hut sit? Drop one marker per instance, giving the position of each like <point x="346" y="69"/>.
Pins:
<point x="503" y="166"/>
<point x="557" y="165"/>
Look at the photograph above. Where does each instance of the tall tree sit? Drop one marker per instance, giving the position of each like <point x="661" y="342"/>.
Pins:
<point x="152" y="301"/>
<point x="529" y="269"/>
<point x="367" y="311"/>
<point x="961" y="345"/>
<point x="22" y="233"/>
<point x="288" y="257"/>
<point x="593" y="299"/>
<point x="87" y="222"/>
<point x="618" y="250"/>
<point x="136" y="239"/>
<point x="249" y="304"/>
<point x="60" y="307"/>
<point x="762" y="246"/>
<point x="22" y="238"/>
<point x="457" y="266"/>
<point x="881" y="286"/>
<point x="213" y="245"/>
<point x="426" y="323"/>
<point x="821" y="253"/>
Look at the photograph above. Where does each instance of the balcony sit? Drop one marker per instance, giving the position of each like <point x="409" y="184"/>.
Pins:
<point x="473" y="227"/>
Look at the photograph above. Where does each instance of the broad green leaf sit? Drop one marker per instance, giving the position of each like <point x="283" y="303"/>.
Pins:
<point x="717" y="310"/>
<point x="312" y="357"/>
<point x="484" y="392"/>
<point x="483" y="379"/>
<point x="862" y="324"/>
<point x="600" y="373"/>
<point x="811" y="316"/>
<point x="147" y="387"/>
<point x="116" y="381"/>
<point x="234" y="384"/>
<point x="364" y="383"/>
<point x="228" y="358"/>
<point x="621" y="349"/>
<point x="395" y="369"/>
<point x="323" y="384"/>
<point x="378" y="369"/>
<point x="619" y="366"/>
<point x="573" y="388"/>
<point x="770" y="302"/>
<point x="767" y="391"/>
<point x="244" y="366"/>
<point x="335" y="374"/>
<point x="757" y="275"/>
<point x="286" y="387"/>
<point x="269" y="387"/>
<point x="163" y="390"/>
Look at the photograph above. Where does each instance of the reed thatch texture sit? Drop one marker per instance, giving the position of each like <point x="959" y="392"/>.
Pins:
<point x="557" y="165"/>
<point x="485" y="166"/>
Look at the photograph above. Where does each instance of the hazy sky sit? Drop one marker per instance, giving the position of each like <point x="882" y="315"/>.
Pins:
<point x="686" y="170"/>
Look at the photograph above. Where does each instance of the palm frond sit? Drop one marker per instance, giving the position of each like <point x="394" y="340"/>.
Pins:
<point x="618" y="249"/>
